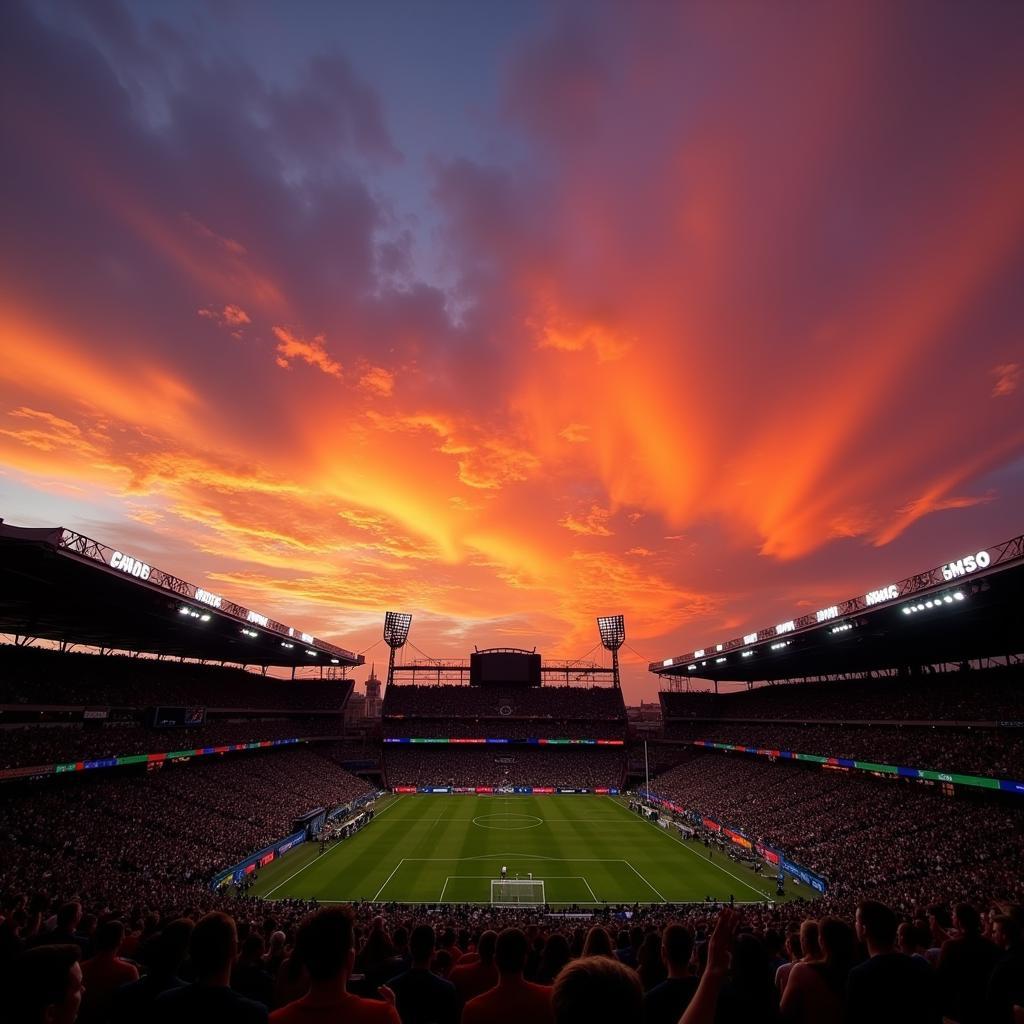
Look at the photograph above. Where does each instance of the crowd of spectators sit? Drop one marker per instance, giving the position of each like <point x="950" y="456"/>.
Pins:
<point x="40" y="745"/>
<point x="506" y="728"/>
<point x="983" y="751"/>
<point x="970" y="695"/>
<point x="135" y="835"/>
<point x="108" y="963"/>
<point x="579" y="768"/>
<point x="31" y="675"/>
<point x="591" y="703"/>
<point x="894" y="840"/>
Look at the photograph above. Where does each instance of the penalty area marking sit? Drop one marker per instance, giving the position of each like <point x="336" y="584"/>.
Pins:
<point x="644" y="880"/>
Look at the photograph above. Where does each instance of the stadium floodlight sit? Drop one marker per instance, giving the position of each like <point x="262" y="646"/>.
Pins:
<point x="613" y="635"/>
<point x="286" y="645"/>
<point x="396" y="629"/>
<point x="396" y="633"/>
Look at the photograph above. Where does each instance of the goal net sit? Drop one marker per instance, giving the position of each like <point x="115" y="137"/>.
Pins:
<point x="513" y="891"/>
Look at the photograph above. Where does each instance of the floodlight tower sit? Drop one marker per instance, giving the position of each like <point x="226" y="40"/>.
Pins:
<point x="396" y="632"/>
<point x="613" y="636"/>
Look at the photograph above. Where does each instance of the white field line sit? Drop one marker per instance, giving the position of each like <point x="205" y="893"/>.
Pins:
<point x="679" y="842"/>
<point x="644" y="880"/>
<point x="591" y="888"/>
<point x="440" y="899"/>
<point x="388" y="879"/>
<point x="326" y="853"/>
<point x="558" y="903"/>
<point x="526" y="856"/>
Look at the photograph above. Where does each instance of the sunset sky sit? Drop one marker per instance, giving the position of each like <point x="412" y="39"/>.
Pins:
<point x="511" y="314"/>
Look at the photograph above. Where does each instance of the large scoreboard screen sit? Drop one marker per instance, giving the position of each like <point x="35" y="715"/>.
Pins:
<point x="176" y="718"/>
<point x="502" y="668"/>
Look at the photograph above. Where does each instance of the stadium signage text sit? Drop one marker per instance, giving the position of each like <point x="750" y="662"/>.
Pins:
<point x="260" y="620"/>
<point x="966" y="565"/>
<point x="750" y="638"/>
<point x="213" y="600"/>
<point x="785" y="627"/>
<point x="827" y="613"/>
<point x="888" y="593"/>
<point x="130" y="566"/>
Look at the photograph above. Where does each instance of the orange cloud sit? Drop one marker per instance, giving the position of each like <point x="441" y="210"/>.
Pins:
<point x="378" y="381"/>
<point x="291" y="346"/>
<point x="594" y="523"/>
<point x="1007" y="377"/>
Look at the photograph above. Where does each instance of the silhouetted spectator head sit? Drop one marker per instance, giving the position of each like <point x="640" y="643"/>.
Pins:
<point x="597" y="990"/>
<point x="486" y="946"/>
<point x="324" y="944"/>
<point x="967" y="919"/>
<point x="68" y="916"/>
<point x="555" y="956"/>
<point x="443" y="963"/>
<point x="676" y="947"/>
<point x="1005" y="931"/>
<point x="214" y="945"/>
<point x="252" y="948"/>
<point x="109" y="937"/>
<point x="876" y="924"/>
<point x="421" y="945"/>
<point x="510" y="951"/>
<point x="170" y="949"/>
<point x="809" y="940"/>
<point x="838" y="941"/>
<point x="48" y="985"/>
<point x="599" y="942"/>
<point x="911" y="939"/>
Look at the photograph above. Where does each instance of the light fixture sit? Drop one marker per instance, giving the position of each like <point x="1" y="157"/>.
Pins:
<point x="284" y="643"/>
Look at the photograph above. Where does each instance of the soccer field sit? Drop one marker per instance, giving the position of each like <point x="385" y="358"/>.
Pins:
<point x="586" y="850"/>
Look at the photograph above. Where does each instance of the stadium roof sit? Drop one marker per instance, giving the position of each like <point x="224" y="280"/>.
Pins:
<point x="968" y="608"/>
<point x="59" y="585"/>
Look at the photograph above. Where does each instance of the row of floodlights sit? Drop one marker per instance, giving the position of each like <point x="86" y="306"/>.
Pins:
<point x="251" y="633"/>
<point x="845" y="627"/>
<point x="937" y="602"/>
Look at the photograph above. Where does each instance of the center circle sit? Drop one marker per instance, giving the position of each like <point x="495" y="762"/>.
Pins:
<point x="483" y="821"/>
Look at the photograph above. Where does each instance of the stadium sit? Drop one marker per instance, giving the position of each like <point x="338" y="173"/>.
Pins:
<point x="502" y="786"/>
<point x="511" y="512"/>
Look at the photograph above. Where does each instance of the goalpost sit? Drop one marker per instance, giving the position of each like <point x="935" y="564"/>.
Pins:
<point x="516" y="891"/>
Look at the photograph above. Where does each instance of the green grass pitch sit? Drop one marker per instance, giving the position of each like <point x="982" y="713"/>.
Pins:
<point x="587" y="850"/>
